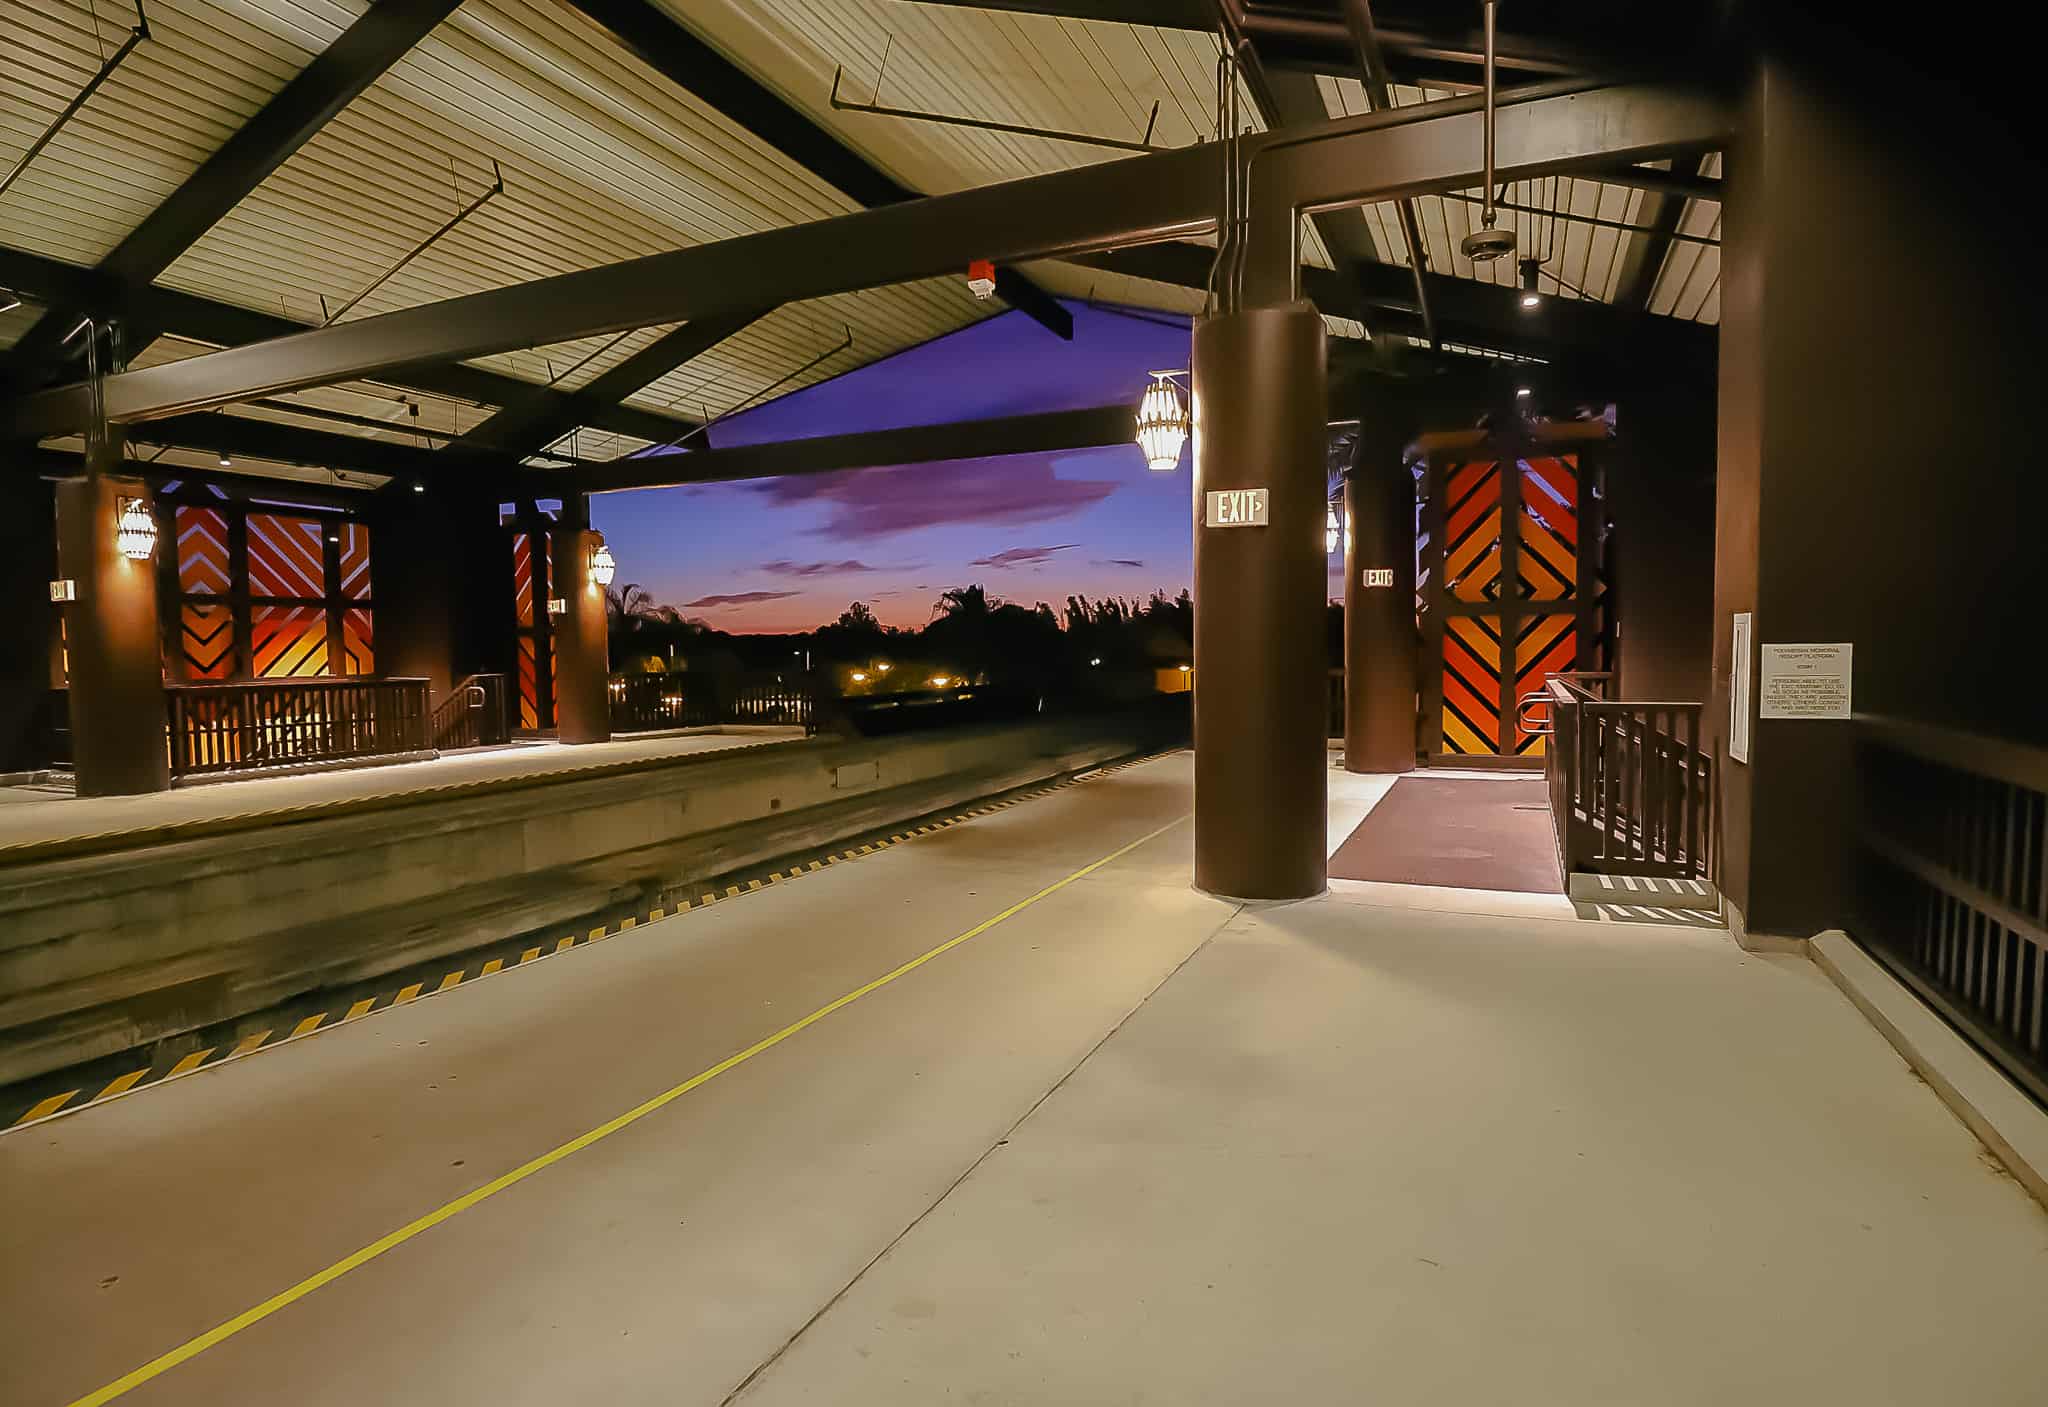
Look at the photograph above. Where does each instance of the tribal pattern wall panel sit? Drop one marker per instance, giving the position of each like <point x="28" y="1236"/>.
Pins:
<point x="286" y="558"/>
<point x="357" y="641"/>
<point x="535" y="665"/>
<point x="1544" y="645"/>
<point x="353" y="562"/>
<point x="1547" y="566"/>
<point x="1471" y="711"/>
<point x="206" y="640"/>
<point x="1472" y="532"/>
<point x="288" y="642"/>
<point x="257" y="594"/>
<point x="203" y="552"/>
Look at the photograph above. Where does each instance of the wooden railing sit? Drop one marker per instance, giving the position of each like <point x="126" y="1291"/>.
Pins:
<point x="650" y="702"/>
<point x="1952" y="891"/>
<point x="1631" y="784"/>
<point x="473" y="714"/>
<point x="272" y="723"/>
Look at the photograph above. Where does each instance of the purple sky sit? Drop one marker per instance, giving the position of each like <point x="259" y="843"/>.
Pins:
<point x="791" y="554"/>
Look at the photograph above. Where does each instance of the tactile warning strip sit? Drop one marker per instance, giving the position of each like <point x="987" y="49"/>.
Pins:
<point x="53" y="1095"/>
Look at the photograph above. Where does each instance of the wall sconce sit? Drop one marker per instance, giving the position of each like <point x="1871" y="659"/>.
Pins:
<point x="1162" y="423"/>
<point x="1330" y="529"/>
<point x="134" y="529"/>
<point x="602" y="567"/>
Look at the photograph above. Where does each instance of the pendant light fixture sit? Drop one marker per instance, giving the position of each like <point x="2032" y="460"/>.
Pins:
<point x="134" y="530"/>
<point x="1532" y="296"/>
<point x="1162" y="423"/>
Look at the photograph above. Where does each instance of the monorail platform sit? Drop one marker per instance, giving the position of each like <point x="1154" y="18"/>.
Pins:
<point x="1008" y="1113"/>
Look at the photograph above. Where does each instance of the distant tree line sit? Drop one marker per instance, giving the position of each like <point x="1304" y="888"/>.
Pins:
<point x="972" y="636"/>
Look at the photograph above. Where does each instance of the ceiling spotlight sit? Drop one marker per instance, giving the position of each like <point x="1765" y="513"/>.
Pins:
<point x="1162" y="423"/>
<point x="1531" y="295"/>
<point x="419" y="486"/>
<point x="1522" y="392"/>
<point x="226" y="460"/>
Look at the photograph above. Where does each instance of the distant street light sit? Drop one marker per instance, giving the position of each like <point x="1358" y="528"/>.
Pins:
<point x="940" y="681"/>
<point x="860" y="676"/>
<point x="1096" y="660"/>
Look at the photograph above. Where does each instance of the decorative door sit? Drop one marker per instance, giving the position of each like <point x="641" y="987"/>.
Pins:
<point x="1511" y="593"/>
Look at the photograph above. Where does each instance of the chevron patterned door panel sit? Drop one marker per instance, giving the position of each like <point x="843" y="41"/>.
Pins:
<point x="1508" y="595"/>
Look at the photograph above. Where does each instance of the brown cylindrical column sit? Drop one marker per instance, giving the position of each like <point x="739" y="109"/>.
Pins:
<point x="1261" y="683"/>
<point x="112" y="642"/>
<point x="1379" y="613"/>
<point x="582" y="706"/>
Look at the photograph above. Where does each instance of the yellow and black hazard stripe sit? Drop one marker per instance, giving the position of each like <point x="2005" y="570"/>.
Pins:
<point x="81" y="1086"/>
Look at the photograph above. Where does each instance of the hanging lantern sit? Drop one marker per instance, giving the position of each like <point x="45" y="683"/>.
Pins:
<point x="135" y="530"/>
<point x="1330" y="530"/>
<point x="602" y="567"/>
<point x="1162" y="423"/>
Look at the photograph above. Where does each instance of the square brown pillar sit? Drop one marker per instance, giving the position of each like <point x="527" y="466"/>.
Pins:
<point x="113" y="642"/>
<point x="582" y="664"/>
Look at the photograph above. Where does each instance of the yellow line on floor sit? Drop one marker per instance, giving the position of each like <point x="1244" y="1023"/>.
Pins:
<point x="197" y="1345"/>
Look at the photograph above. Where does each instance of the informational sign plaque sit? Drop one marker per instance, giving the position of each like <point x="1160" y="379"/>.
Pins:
<point x="1236" y="508"/>
<point x="1804" y="681"/>
<point x="1738" y="692"/>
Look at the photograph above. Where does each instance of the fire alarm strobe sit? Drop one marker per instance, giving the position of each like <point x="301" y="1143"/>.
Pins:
<point x="981" y="278"/>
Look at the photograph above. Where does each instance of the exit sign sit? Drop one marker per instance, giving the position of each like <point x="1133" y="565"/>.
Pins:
<point x="1236" y="508"/>
<point x="1379" y="576"/>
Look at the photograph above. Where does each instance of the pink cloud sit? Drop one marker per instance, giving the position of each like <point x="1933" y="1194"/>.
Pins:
<point x="1020" y="556"/>
<point x="742" y="598"/>
<point x="1015" y="489"/>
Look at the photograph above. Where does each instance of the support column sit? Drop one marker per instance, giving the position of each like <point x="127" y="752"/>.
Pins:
<point x="113" y="642"/>
<point x="1379" y="620"/>
<point x="28" y="623"/>
<point x="1261" y="770"/>
<point x="1873" y="485"/>
<point x="441" y="582"/>
<point x="582" y="665"/>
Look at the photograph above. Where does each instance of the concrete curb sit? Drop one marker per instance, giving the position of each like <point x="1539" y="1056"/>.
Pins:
<point x="2010" y="1124"/>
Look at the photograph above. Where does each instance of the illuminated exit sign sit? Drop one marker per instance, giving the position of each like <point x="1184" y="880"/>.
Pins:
<point x="1379" y="576"/>
<point x="1236" y="508"/>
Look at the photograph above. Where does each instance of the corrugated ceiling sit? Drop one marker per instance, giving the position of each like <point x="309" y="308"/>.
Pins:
<point x="606" y="160"/>
<point x="205" y="70"/>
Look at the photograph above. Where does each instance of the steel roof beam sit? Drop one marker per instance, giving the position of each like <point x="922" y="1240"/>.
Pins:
<point x="379" y="38"/>
<point x="1163" y="196"/>
<point x="50" y="281"/>
<point x="1043" y="433"/>
<point x="1480" y="314"/>
<point x="678" y="55"/>
<point x="546" y="415"/>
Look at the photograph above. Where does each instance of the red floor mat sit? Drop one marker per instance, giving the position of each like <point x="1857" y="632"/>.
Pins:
<point x="1466" y="832"/>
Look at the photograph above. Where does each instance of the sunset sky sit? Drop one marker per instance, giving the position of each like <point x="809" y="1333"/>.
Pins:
<point x="791" y="554"/>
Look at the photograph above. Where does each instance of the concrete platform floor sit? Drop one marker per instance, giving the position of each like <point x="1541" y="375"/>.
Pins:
<point x="1127" y="1144"/>
<point x="46" y="814"/>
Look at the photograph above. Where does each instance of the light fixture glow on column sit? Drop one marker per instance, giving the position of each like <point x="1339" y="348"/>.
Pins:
<point x="1162" y="423"/>
<point x="602" y="567"/>
<point x="134" y="530"/>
